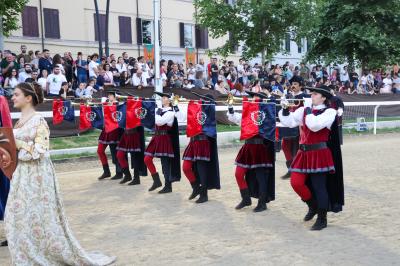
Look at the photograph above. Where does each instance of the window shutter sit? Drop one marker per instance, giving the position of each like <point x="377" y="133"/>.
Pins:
<point x="102" y="18"/>
<point x="205" y="38"/>
<point x="182" y="34"/>
<point x="139" y="39"/>
<point x="30" y="24"/>
<point x="287" y="42"/>
<point x="125" y="29"/>
<point x="51" y="23"/>
<point x="197" y="36"/>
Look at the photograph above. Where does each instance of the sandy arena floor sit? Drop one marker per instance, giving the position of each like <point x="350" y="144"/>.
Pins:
<point x="143" y="228"/>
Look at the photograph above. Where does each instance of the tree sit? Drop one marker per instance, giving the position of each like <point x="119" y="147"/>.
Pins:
<point x="10" y="12"/>
<point x="364" y="32"/>
<point x="259" y="26"/>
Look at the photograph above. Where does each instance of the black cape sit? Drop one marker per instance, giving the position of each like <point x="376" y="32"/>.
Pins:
<point x="251" y="179"/>
<point x="137" y="158"/>
<point x="335" y="186"/>
<point x="176" y="161"/>
<point x="336" y="103"/>
<point x="213" y="178"/>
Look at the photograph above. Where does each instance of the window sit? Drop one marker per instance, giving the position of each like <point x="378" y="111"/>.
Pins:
<point x="302" y="47"/>
<point x="30" y="24"/>
<point x="201" y="37"/>
<point x="186" y="35"/>
<point x="147" y="32"/>
<point x="125" y="30"/>
<point x="102" y="19"/>
<point x="51" y="23"/>
<point x="287" y="43"/>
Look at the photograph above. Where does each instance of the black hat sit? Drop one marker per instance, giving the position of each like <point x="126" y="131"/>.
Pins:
<point x="323" y="89"/>
<point x="207" y="97"/>
<point x="258" y="94"/>
<point x="297" y="79"/>
<point x="113" y="92"/>
<point x="162" y="94"/>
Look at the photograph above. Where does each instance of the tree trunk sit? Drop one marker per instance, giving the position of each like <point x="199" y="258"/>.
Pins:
<point x="107" y="48"/>
<point x="96" y="6"/>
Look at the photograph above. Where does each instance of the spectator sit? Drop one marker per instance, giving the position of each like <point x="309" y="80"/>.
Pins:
<point x="174" y="74"/>
<point x="65" y="90"/>
<point x="363" y="83"/>
<point x="214" y="71"/>
<point x="21" y="64"/>
<point x="138" y="79"/>
<point x="8" y="65"/>
<point x="93" y="71"/>
<point x="344" y="75"/>
<point x="396" y="83"/>
<point x="100" y="80"/>
<point x="187" y="84"/>
<point x="79" y="92"/>
<point x="26" y="73"/>
<point x="35" y="60"/>
<point x="54" y="82"/>
<point x="43" y="79"/>
<point x="198" y="82"/>
<point x="256" y="86"/>
<point x="12" y="80"/>
<point x="191" y="72"/>
<point x="108" y="75"/>
<point x="81" y="69"/>
<point x="57" y="61"/>
<point x="220" y="87"/>
<point x="304" y="72"/>
<point x="34" y="76"/>
<point x="238" y="90"/>
<point x="201" y="67"/>
<point x="387" y="84"/>
<point x="24" y="54"/>
<point x="116" y="75"/>
<point x="354" y="78"/>
<point x="45" y="62"/>
<point x="142" y="64"/>
<point x="89" y="90"/>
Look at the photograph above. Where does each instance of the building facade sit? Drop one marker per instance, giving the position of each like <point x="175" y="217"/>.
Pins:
<point x="71" y="26"/>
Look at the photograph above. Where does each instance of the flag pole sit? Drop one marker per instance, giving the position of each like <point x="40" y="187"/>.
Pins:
<point x="156" y="12"/>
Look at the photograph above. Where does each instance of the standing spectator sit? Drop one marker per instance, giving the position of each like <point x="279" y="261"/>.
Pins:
<point x="214" y="72"/>
<point x="240" y="71"/>
<point x="21" y="64"/>
<point x="108" y="75"/>
<point x="125" y="57"/>
<point x="387" y="84"/>
<point x="24" y="54"/>
<point x="68" y="63"/>
<point x="58" y="61"/>
<point x="144" y="67"/>
<point x="199" y="81"/>
<point x="121" y="66"/>
<point x="333" y="77"/>
<point x="45" y="62"/>
<point x="26" y="73"/>
<point x="304" y="72"/>
<point x="8" y="65"/>
<point x="364" y="83"/>
<point x="93" y="71"/>
<point x="100" y="80"/>
<point x="200" y="67"/>
<point x="116" y="75"/>
<point x="81" y="69"/>
<point x="191" y="71"/>
<point x="344" y="75"/>
<point x="396" y="83"/>
<point x="354" y="78"/>
<point x="54" y="82"/>
<point x="43" y="79"/>
<point x="35" y="60"/>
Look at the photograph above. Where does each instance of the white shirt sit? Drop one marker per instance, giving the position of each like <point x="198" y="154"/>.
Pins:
<point x="42" y="82"/>
<point x="88" y="92"/>
<point x="138" y="81"/>
<point x="240" y="70"/>
<point x="145" y="70"/>
<point x="92" y="66"/>
<point x="363" y="80"/>
<point x="191" y="73"/>
<point x="12" y="82"/>
<point x="121" y="68"/>
<point x="313" y="122"/>
<point x="54" y="82"/>
<point x="344" y="75"/>
<point x="167" y="118"/>
<point x="387" y="85"/>
<point x="23" y="76"/>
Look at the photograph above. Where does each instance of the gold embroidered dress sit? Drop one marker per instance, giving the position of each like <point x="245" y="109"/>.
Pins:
<point x="36" y="227"/>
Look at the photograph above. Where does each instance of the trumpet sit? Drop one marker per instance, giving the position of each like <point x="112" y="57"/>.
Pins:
<point x="231" y="100"/>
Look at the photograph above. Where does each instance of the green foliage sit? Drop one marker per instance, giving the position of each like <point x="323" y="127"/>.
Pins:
<point x="361" y="32"/>
<point x="260" y="25"/>
<point x="10" y="12"/>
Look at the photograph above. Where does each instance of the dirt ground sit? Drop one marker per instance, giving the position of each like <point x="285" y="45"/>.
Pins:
<point x="143" y="228"/>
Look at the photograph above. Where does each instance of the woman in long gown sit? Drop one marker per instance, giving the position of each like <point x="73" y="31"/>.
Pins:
<point x="36" y="227"/>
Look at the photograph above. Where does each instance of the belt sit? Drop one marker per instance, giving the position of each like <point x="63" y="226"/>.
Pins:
<point x="254" y="141"/>
<point x="161" y="132"/>
<point x="313" y="147"/>
<point x="131" y="130"/>
<point x="199" y="137"/>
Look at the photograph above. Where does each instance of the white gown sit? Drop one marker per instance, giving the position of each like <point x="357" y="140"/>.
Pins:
<point x="36" y="227"/>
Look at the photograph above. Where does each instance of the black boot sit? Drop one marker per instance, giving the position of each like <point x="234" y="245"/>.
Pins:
<point x="196" y="190"/>
<point x="136" y="179"/>
<point x="287" y="175"/>
<point x="262" y="203"/>
<point x="127" y="176"/>
<point x="312" y="210"/>
<point x="156" y="182"/>
<point x="203" y="195"/>
<point x="4" y="243"/>
<point x="246" y="200"/>
<point x="321" y="222"/>
<point x="167" y="188"/>
<point x="106" y="172"/>
<point x="118" y="174"/>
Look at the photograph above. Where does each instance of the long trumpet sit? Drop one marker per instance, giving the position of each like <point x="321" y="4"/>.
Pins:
<point x="231" y="100"/>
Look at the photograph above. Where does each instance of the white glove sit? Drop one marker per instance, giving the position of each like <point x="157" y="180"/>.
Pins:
<point x="284" y="103"/>
<point x="340" y="112"/>
<point x="307" y="103"/>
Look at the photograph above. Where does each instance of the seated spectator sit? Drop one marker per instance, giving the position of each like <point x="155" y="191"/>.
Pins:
<point x="387" y="83"/>
<point x="209" y="85"/>
<point x="219" y="86"/>
<point x="66" y="91"/>
<point x="12" y="81"/>
<point x="187" y="84"/>
<point x="34" y="76"/>
<point x="108" y="75"/>
<point x="238" y="90"/>
<point x="396" y="83"/>
<point x="25" y="73"/>
<point x="100" y="81"/>
<point x="138" y="79"/>
<point x="89" y="90"/>
<point x="43" y="79"/>
<point x="79" y="92"/>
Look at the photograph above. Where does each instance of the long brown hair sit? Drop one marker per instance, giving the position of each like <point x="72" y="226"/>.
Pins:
<point x="32" y="89"/>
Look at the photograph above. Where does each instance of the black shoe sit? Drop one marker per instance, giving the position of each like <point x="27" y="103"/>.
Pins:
<point x="203" y="195"/>
<point x="135" y="180"/>
<point x="246" y="200"/>
<point x="196" y="190"/>
<point x="4" y="244"/>
<point x="286" y="176"/>
<point x="321" y="221"/>
<point x="262" y="203"/>
<point x="167" y="188"/>
<point x="117" y="176"/>
<point x="156" y="182"/>
<point x="127" y="176"/>
<point x="312" y="210"/>
<point x="106" y="172"/>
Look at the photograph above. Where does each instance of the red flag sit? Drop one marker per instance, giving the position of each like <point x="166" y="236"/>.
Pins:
<point x="132" y="107"/>
<point x="58" y="117"/>
<point x="5" y="113"/>
<point x="84" y="122"/>
<point x="193" y="126"/>
<point x="249" y="128"/>
<point x="110" y="117"/>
